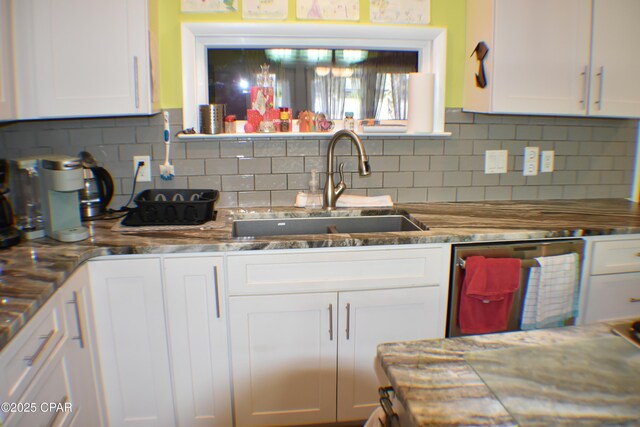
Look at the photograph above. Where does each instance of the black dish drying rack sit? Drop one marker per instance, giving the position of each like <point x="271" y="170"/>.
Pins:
<point x="172" y="207"/>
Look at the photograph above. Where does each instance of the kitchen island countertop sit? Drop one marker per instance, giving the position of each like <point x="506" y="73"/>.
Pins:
<point x="527" y="378"/>
<point x="33" y="270"/>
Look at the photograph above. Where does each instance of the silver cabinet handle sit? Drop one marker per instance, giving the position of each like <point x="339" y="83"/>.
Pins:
<point x="600" y="75"/>
<point x="80" y="336"/>
<point x="45" y="340"/>
<point x="215" y="287"/>
<point x="136" y="82"/>
<point x="330" y="322"/>
<point x="348" y="319"/>
<point x="584" y="86"/>
<point x="55" y="415"/>
<point x="634" y="299"/>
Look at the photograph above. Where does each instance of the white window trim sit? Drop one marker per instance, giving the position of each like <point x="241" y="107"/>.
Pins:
<point x="197" y="37"/>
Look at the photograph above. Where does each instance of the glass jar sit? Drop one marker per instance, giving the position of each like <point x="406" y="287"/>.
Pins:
<point x="349" y="122"/>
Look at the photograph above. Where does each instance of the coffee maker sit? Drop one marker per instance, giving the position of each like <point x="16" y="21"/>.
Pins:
<point x="97" y="191"/>
<point x="61" y="179"/>
<point x="9" y="234"/>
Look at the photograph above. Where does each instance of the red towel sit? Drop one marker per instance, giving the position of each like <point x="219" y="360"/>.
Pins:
<point x="487" y="294"/>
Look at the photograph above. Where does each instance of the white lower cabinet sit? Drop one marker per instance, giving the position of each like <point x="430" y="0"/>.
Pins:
<point x="301" y="356"/>
<point x="198" y="346"/>
<point x="131" y="341"/>
<point x="284" y="358"/>
<point x="369" y="318"/>
<point x="611" y="279"/>
<point x="78" y="349"/>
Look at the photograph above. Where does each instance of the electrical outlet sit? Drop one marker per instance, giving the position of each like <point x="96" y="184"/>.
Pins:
<point x="144" y="175"/>
<point x="547" y="161"/>
<point x="531" y="161"/>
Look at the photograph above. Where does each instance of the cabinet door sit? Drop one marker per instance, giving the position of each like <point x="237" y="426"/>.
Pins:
<point x="197" y="324"/>
<point x="78" y="349"/>
<point x="369" y="318"/>
<point x="132" y="341"/>
<point x="284" y="359"/>
<point x="614" y="296"/>
<point x="7" y="102"/>
<point x="615" y="87"/>
<point x="540" y="56"/>
<point x="82" y="57"/>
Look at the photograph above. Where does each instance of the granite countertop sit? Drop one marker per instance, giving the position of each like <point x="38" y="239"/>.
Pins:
<point x="31" y="271"/>
<point x="579" y="375"/>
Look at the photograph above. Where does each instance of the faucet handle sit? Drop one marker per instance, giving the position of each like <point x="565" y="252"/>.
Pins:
<point x="341" y="185"/>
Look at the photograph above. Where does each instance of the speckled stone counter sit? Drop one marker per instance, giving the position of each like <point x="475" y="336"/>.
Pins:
<point x="572" y="376"/>
<point x="31" y="271"/>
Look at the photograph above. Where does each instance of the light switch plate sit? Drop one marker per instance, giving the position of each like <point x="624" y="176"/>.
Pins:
<point x="547" y="160"/>
<point x="495" y="161"/>
<point x="531" y="161"/>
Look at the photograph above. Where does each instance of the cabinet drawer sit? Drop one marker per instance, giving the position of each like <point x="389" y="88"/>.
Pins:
<point x="295" y="271"/>
<point x="47" y="399"/>
<point x="613" y="297"/>
<point x="621" y="256"/>
<point x="26" y="353"/>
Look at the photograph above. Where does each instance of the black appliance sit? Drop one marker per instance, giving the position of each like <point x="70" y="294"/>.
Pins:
<point x="98" y="188"/>
<point x="9" y="234"/>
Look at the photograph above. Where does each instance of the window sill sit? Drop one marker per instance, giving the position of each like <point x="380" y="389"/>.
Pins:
<point x="305" y="135"/>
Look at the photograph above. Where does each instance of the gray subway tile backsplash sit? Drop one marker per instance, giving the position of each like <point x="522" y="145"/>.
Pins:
<point x="594" y="158"/>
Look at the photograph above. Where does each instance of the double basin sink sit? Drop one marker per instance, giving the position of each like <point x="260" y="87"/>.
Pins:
<point x="383" y="223"/>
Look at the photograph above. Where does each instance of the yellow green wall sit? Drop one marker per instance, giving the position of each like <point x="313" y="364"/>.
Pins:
<point x="166" y="17"/>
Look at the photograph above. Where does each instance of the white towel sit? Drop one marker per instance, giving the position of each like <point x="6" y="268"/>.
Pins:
<point x="349" y="201"/>
<point x="552" y="292"/>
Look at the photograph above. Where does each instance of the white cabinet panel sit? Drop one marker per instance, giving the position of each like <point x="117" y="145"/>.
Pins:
<point x="541" y="56"/>
<point x="82" y="58"/>
<point x="197" y="323"/>
<point x="7" y="100"/>
<point x="615" y="296"/>
<point x="367" y="319"/>
<point x="131" y="341"/>
<point x="615" y="87"/>
<point x="79" y="349"/>
<point x="284" y="359"/>
<point x="616" y="256"/>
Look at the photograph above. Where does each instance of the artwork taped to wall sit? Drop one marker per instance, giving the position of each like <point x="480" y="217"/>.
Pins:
<point x="204" y="6"/>
<point x="400" y="11"/>
<point x="345" y="10"/>
<point x="265" y="9"/>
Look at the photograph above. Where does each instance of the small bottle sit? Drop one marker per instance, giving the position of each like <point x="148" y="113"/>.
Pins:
<point x="314" y="200"/>
<point x="284" y="119"/>
<point x="349" y="122"/>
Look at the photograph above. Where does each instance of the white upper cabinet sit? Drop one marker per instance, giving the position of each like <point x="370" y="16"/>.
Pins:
<point x="7" y="102"/>
<point x="546" y="57"/>
<point x="82" y="58"/>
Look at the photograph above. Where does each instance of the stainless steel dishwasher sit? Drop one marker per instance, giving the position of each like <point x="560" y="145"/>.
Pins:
<point x="527" y="251"/>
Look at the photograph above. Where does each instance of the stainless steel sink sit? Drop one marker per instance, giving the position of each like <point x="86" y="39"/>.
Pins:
<point x="322" y="225"/>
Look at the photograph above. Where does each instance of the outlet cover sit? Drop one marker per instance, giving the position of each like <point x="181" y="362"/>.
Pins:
<point x="144" y="175"/>
<point x="547" y="160"/>
<point x="495" y="161"/>
<point x="531" y="161"/>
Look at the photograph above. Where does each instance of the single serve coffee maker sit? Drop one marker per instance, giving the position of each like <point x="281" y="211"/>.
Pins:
<point x="61" y="179"/>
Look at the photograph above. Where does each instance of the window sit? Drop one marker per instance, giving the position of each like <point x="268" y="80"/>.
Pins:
<point x="197" y="38"/>
<point x="368" y="83"/>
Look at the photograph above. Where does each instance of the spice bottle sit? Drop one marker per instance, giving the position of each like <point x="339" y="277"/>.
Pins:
<point x="284" y="119"/>
<point x="349" y="122"/>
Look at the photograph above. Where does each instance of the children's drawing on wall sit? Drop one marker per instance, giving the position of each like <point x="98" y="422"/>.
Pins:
<point x="203" y="6"/>
<point x="265" y="9"/>
<point x="345" y="10"/>
<point x="400" y="11"/>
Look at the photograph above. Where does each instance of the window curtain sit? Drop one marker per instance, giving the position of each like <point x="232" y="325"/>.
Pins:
<point x="373" y="85"/>
<point x="328" y="93"/>
<point x="400" y="94"/>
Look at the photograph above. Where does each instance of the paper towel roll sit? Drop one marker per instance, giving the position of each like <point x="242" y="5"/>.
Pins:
<point x="420" y="108"/>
